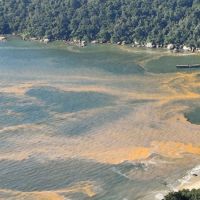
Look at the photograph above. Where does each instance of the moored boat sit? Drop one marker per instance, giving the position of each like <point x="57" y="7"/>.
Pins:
<point x="188" y="66"/>
<point x="2" y="39"/>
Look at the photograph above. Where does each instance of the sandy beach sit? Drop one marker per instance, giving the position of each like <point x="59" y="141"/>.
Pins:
<point x="191" y="180"/>
<point x="194" y="183"/>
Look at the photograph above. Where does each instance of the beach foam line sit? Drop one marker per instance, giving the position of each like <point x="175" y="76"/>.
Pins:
<point x="195" y="171"/>
<point x="191" y="180"/>
<point x="190" y="184"/>
<point x="115" y="170"/>
<point x="159" y="196"/>
<point x="155" y="195"/>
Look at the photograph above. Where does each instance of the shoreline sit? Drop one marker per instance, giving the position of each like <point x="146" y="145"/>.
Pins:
<point x="191" y="180"/>
<point x="188" y="182"/>
<point x="192" y="185"/>
<point x="162" y="51"/>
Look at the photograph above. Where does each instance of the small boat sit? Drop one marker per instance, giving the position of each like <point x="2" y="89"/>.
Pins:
<point x="195" y="174"/>
<point x="187" y="66"/>
<point x="2" y="39"/>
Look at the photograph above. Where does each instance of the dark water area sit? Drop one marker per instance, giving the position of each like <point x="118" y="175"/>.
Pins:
<point x="70" y="101"/>
<point x="193" y="116"/>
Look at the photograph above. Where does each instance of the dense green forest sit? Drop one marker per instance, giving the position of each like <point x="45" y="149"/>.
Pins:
<point x="184" y="195"/>
<point x="159" y="21"/>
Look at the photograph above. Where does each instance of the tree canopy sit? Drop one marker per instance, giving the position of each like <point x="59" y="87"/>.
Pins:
<point x="184" y="195"/>
<point x="158" y="21"/>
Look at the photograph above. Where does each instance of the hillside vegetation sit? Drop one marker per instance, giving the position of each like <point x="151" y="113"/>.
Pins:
<point x="184" y="195"/>
<point x="159" y="21"/>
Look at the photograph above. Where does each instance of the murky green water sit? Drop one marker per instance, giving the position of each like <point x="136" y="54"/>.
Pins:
<point x="71" y="119"/>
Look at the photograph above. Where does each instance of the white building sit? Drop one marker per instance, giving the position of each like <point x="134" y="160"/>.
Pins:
<point x="136" y="43"/>
<point x="46" y="40"/>
<point x="170" y="46"/>
<point x="83" y="43"/>
<point x="123" y="42"/>
<point x="150" y="45"/>
<point x="186" y="48"/>
<point x="94" y="41"/>
<point x="2" y="38"/>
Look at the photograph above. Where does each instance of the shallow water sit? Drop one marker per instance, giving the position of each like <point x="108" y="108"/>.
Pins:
<point x="94" y="123"/>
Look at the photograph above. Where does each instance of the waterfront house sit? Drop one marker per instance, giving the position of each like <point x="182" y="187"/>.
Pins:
<point x="150" y="45"/>
<point x="33" y="38"/>
<point x="46" y="40"/>
<point x="94" y="42"/>
<point x="186" y="48"/>
<point x="170" y="46"/>
<point x="2" y="38"/>
<point x="123" y="42"/>
<point x="83" y="43"/>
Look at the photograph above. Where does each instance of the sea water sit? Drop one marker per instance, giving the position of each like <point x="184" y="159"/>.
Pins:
<point x="100" y="122"/>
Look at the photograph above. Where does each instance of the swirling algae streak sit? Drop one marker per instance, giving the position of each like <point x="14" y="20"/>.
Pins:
<point x="165" y="130"/>
<point x="181" y="86"/>
<point x="17" y="89"/>
<point x="86" y="188"/>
